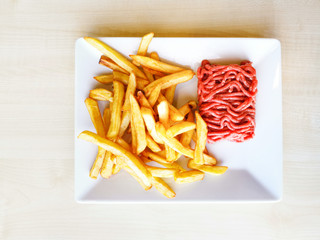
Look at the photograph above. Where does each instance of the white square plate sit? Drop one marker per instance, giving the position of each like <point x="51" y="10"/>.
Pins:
<point x="255" y="166"/>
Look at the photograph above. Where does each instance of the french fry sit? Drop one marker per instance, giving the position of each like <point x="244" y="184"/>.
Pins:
<point x="162" y="187"/>
<point x="154" y="95"/>
<point x="155" y="56"/>
<point x="105" y="79"/>
<point x="169" y="80"/>
<point x="213" y="170"/>
<point x="173" y="165"/>
<point x="115" y="56"/>
<point x="188" y="176"/>
<point x="177" y="146"/>
<point x="95" y="116"/>
<point x="154" y="147"/>
<point x="116" y="168"/>
<point x="107" y="166"/>
<point x="124" y="78"/>
<point x="174" y="113"/>
<point x="101" y="94"/>
<point x="161" y="172"/>
<point x="169" y="94"/>
<point x="180" y="128"/>
<point x="155" y="64"/>
<point x="153" y="156"/>
<point x="202" y="132"/>
<point x="131" y="160"/>
<point x="144" y="44"/>
<point x="138" y="124"/>
<point x="96" y="166"/>
<point x="116" y="110"/>
<point x="125" y="121"/>
<point x="150" y="124"/>
<point x="143" y="101"/>
<point x="194" y="138"/>
<point x="106" y="118"/>
<point x="107" y="62"/>
<point x="148" y="75"/>
<point x="186" y="108"/>
<point x="131" y="89"/>
<point x="123" y="144"/>
<point x="154" y="72"/>
<point x="133" y="136"/>
<point x="186" y="137"/>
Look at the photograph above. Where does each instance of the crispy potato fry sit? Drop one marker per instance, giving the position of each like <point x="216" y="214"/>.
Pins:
<point x="174" y="113"/>
<point x="186" y="108"/>
<point x="115" y="56"/>
<point x="115" y="120"/>
<point x="169" y="94"/>
<point x="107" y="62"/>
<point x="101" y="94"/>
<point x="213" y="170"/>
<point x="154" y="147"/>
<point x="131" y="160"/>
<point x="154" y="95"/>
<point x="169" y="80"/>
<point x="123" y="143"/>
<point x="123" y="78"/>
<point x="180" y="128"/>
<point x="116" y="168"/>
<point x="95" y="116"/>
<point x="138" y="124"/>
<point x="186" y="137"/>
<point x="154" y="72"/>
<point x="105" y="79"/>
<point x="125" y="121"/>
<point x="155" y="64"/>
<point x="177" y="146"/>
<point x="194" y="138"/>
<point x="148" y="75"/>
<point x="202" y="132"/>
<point x="188" y="176"/>
<point x="131" y="89"/>
<point x="144" y="44"/>
<point x="95" y="169"/>
<point x="153" y="156"/>
<point x="106" y="118"/>
<point x="155" y="56"/>
<point x="161" y="172"/>
<point x="133" y="136"/>
<point x="162" y="187"/>
<point x="107" y="166"/>
<point x="150" y="124"/>
<point x="174" y="165"/>
<point x="143" y="101"/>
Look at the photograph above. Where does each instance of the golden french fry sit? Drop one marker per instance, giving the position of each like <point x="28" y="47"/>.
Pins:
<point x="131" y="89"/>
<point x="133" y="136"/>
<point x="154" y="95"/>
<point x="143" y="101"/>
<point x="131" y="160"/>
<point x="169" y="80"/>
<point x="101" y="94"/>
<point x="154" y="72"/>
<point x="125" y="121"/>
<point x="174" y="113"/>
<point x="177" y="146"/>
<point x="106" y="118"/>
<point x="105" y="79"/>
<point x="155" y="56"/>
<point x="162" y="187"/>
<point x="144" y="44"/>
<point x="148" y="75"/>
<point x="115" y="56"/>
<point x="123" y="143"/>
<point x="188" y="176"/>
<point x="138" y="124"/>
<point x="107" y="62"/>
<point x="95" y="169"/>
<point x="116" y="168"/>
<point x="154" y="147"/>
<point x="150" y="124"/>
<point x="115" y="120"/>
<point x="186" y="108"/>
<point x="169" y="94"/>
<point x="107" y="166"/>
<point x="213" y="170"/>
<point x="161" y="172"/>
<point x="202" y="132"/>
<point x="124" y="78"/>
<point x="155" y="64"/>
<point x="186" y="137"/>
<point x="194" y="138"/>
<point x="180" y="128"/>
<point x="153" y="156"/>
<point x="95" y="116"/>
<point x="163" y="162"/>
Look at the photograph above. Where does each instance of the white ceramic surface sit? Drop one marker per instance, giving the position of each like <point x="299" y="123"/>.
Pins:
<point x="255" y="166"/>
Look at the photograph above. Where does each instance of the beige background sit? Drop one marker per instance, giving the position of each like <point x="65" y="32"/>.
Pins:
<point x="36" y="119"/>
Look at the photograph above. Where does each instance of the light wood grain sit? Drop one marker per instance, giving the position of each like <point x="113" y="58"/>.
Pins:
<point x="36" y="119"/>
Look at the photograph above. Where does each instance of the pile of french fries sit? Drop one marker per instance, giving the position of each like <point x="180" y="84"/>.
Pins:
<point x="141" y="126"/>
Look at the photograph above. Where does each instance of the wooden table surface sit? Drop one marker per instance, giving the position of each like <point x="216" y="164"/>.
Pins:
<point x="36" y="119"/>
